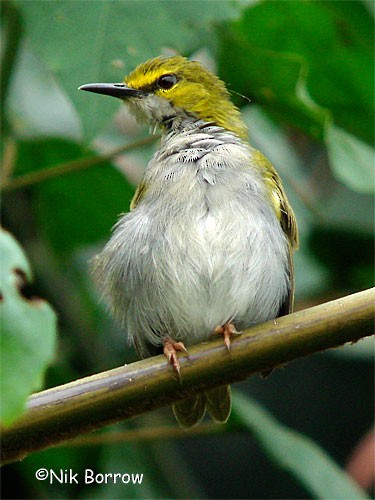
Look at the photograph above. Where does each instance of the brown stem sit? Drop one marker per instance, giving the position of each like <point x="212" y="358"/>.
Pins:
<point x="70" y="166"/>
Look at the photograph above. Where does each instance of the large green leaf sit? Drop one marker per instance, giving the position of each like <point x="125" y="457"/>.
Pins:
<point x="277" y="80"/>
<point x="140" y="458"/>
<point x="82" y="42"/>
<point x="77" y="208"/>
<point x="352" y="160"/>
<point x="278" y="49"/>
<point x="28" y="332"/>
<point x="295" y="452"/>
<point x="39" y="108"/>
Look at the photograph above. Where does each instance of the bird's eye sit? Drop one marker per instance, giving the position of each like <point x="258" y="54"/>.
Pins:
<point x="166" y="82"/>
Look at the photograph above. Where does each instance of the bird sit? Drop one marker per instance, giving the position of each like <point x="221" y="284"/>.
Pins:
<point x="207" y="246"/>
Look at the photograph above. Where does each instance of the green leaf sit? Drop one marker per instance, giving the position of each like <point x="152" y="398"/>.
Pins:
<point x="28" y="332"/>
<point x="295" y="452"/>
<point x="280" y="86"/>
<point x="78" y="208"/>
<point x="281" y="67"/>
<point x="352" y="160"/>
<point x="347" y="209"/>
<point x="116" y="37"/>
<point x="40" y="108"/>
<point x="370" y="6"/>
<point x="134" y="458"/>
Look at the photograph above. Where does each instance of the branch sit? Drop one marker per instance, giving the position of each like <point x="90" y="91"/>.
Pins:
<point x="87" y="404"/>
<point x="71" y="166"/>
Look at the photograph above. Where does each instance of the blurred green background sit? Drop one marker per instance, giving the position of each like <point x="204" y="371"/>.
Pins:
<point x="303" y="74"/>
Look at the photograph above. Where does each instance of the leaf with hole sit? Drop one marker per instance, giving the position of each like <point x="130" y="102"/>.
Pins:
<point x="28" y="332"/>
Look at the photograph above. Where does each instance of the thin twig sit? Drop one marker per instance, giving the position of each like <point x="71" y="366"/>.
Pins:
<point x="9" y="159"/>
<point x="71" y="166"/>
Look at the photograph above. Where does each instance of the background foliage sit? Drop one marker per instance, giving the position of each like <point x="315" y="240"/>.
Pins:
<point x="307" y="68"/>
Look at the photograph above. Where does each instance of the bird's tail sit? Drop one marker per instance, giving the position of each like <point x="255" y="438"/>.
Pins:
<point x="191" y="411"/>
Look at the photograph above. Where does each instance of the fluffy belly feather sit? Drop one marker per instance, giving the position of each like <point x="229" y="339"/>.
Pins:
<point x="182" y="276"/>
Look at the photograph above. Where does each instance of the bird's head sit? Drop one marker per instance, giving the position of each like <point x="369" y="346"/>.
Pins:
<point x="166" y="90"/>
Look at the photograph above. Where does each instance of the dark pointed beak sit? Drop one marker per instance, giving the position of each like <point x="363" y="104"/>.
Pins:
<point x="119" y="90"/>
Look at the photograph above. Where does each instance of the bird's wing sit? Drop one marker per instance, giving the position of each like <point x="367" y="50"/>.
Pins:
<point x="286" y="217"/>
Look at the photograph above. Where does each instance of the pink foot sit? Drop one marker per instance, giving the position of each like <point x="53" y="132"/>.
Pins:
<point x="170" y="352"/>
<point x="228" y="330"/>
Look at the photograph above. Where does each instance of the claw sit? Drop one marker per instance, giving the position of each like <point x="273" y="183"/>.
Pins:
<point x="227" y="330"/>
<point x="170" y="352"/>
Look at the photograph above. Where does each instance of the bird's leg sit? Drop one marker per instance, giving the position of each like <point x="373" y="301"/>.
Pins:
<point x="227" y="331"/>
<point x="170" y="348"/>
